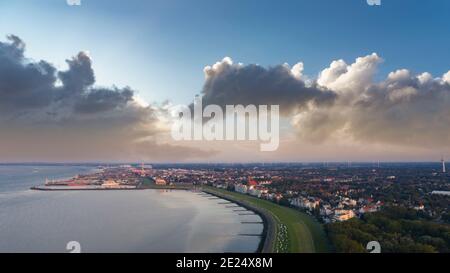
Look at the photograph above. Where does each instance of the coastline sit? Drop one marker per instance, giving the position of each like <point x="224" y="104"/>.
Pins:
<point x="266" y="244"/>
<point x="99" y="188"/>
<point x="300" y="233"/>
<point x="84" y="189"/>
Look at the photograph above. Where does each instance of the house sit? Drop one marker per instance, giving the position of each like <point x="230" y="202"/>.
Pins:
<point x="368" y="208"/>
<point x="349" y="202"/>
<point x="252" y="182"/>
<point x="160" y="182"/>
<point x="305" y="203"/>
<point x="326" y="210"/>
<point x="110" y="184"/>
<point x="343" y="215"/>
<point x="257" y="191"/>
<point x="241" y="188"/>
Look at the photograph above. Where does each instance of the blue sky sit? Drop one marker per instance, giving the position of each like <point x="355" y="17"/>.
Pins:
<point x="160" y="47"/>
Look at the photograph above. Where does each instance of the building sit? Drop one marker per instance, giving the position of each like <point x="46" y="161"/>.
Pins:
<point x="241" y="188"/>
<point x="110" y="184"/>
<point x="443" y="165"/>
<point x="368" y="208"/>
<point x="343" y="215"/>
<point x="326" y="210"/>
<point x="305" y="203"/>
<point x="257" y="191"/>
<point x="160" y="182"/>
<point x="441" y="192"/>
<point x="349" y="202"/>
<point x="252" y="182"/>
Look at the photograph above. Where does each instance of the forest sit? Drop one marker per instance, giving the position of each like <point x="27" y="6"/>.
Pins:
<point x="397" y="229"/>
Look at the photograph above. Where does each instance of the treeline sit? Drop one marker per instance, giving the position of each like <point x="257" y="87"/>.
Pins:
<point x="397" y="229"/>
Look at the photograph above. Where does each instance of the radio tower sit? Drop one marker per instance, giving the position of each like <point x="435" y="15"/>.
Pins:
<point x="443" y="165"/>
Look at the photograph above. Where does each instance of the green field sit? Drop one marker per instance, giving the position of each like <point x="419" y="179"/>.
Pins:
<point x="147" y="182"/>
<point x="304" y="233"/>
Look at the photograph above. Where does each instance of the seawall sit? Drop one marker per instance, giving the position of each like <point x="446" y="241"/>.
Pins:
<point x="269" y="231"/>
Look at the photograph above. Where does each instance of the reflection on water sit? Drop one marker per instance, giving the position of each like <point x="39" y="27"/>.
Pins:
<point x="118" y="221"/>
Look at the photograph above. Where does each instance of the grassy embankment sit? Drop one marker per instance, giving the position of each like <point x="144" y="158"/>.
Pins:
<point x="304" y="233"/>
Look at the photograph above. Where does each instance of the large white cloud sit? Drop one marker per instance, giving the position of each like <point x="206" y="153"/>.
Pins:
<point x="404" y="109"/>
<point x="342" y="78"/>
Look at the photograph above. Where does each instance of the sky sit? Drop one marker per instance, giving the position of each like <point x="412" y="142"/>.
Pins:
<point x="159" y="50"/>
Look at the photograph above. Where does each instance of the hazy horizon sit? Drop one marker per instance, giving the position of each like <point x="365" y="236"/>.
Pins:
<point x="347" y="163"/>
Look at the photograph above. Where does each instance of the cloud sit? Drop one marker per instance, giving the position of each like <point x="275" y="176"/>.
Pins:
<point x="232" y="83"/>
<point x="23" y="85"/>
<point x="80" y="74"/>
<point x="404" y="109"/>
<point x="100" y="100"/>
<point x="51" y="115"/>
<point x="446" y="77"/>
<point x="48" y="114"/>
<point x="342" y="78"/>
<point x="344" y="102"/>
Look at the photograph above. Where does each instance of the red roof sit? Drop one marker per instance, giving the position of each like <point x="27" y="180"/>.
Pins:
<point x="252" y="182"/>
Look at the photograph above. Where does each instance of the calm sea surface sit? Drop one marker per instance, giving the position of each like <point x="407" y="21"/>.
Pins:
<point x="115" y="221"/>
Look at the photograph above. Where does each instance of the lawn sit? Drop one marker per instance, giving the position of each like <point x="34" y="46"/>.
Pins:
<point x="304" y="233"/>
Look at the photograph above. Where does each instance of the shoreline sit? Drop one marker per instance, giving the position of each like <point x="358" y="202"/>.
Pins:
<point x="81" y="188"/>
<point x="269" y="228"/>
<point x="300" y="233"/>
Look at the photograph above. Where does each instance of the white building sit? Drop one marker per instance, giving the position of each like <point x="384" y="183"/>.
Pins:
<point x="305" y="203"/>
<point x="349" y="202"/>
<point x="343" y="215"/>
<point x="326" y="211"/>
<point x="441" y="192"/>
<point x="240" y="188"/>
<point x="256" y="191"/>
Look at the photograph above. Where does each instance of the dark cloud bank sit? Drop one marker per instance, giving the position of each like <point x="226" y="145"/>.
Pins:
<point x="229" y="83"/>
<point x="46" y="114"/>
